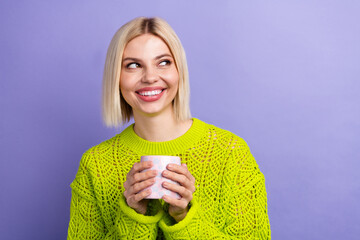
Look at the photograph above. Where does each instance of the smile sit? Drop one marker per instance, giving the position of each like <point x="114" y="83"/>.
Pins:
<point x="150" y="93"/>
<point x="150" y="96"/>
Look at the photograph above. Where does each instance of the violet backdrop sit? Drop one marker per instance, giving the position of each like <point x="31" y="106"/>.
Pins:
<point x="283" y="75"/>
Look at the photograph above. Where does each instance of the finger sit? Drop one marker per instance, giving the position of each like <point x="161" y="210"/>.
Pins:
<point x="126" y="184"/>
<point x="142" y="185"/>
<point x="133" y="200"/>
<point x="180" y="178"/>
<point x="182" y="191"/>
<point x="139" y="166"/>
<point x="180" y="170"/>
<point x="139" y="177"/>
<point x="137" y="173"/>
<point x="192" y="179"/>
<point x="141" y="195"/>
<point x="182" y="203"/>
<point x="126" y="195"/>
<point x="188" y="174"/>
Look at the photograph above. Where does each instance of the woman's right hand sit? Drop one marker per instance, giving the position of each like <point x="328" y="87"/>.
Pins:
<point x="136" y="181"/>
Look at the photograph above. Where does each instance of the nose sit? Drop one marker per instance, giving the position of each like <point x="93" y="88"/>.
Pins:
<point x="150" y="75"/>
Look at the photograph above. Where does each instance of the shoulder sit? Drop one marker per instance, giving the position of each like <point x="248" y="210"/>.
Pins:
<point x="104" y="146"/>
<point x="233" y="148"/>
<point x="225" y="139"/>
<point x="95" y="154"/>
<point x="240" y="163"/>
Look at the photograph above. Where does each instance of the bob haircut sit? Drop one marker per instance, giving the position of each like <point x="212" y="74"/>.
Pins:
<point x="116" y="111"/>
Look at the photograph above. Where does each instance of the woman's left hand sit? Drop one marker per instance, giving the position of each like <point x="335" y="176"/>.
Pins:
<point x="178" y="208"/>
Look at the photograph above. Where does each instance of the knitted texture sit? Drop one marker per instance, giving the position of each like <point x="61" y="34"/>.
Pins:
<point x="229" y="201"/>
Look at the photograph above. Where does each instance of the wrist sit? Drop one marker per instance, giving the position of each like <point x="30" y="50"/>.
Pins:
<point x="181" y="216"/>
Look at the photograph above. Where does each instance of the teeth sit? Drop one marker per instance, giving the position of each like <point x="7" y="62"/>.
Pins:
<point x="150" y="93"/>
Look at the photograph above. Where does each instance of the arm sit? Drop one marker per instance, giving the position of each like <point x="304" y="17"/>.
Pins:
<point x="87" y="222"/>
<point x="243" y="202"/>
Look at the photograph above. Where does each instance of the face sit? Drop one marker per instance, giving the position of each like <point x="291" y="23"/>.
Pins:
<point x="149" y="78"/>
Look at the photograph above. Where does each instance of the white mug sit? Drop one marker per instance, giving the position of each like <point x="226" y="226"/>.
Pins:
<point x="159" y="163"/>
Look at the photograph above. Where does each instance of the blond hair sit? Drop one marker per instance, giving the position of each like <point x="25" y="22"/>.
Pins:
<point x="116" y="111"/>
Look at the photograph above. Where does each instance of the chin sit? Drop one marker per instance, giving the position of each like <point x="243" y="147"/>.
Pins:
<point x="153" y="110"/>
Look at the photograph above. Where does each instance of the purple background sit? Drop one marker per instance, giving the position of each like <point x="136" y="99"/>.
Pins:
<point x="283" y="75"/>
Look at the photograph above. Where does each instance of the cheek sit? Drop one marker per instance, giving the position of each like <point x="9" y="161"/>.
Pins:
<point x="174" y="86"/>
<point x="125" y="91"/>
<point x="173" y="78"/>
<point x="125" y="82"/>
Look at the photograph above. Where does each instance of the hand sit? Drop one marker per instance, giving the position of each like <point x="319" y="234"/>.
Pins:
<point x="178" y="208"/>
<point x="136" y="181"/>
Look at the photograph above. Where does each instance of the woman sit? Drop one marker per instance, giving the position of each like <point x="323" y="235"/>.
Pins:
<point x="146" y="78"/>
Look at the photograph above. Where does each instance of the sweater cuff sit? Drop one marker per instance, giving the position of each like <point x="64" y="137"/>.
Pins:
<point x="164" y="224"/>
<point x="131" y="213"/>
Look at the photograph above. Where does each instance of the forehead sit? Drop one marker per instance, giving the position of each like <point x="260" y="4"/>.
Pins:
<point x="146" y="45"/>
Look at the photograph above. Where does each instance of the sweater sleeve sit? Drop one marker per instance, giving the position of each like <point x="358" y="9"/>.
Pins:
<point x="244" y="203"/>
<point x="87" y="222"/>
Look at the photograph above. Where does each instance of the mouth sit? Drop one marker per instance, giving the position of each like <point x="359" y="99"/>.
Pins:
<point x="150" y="95"/>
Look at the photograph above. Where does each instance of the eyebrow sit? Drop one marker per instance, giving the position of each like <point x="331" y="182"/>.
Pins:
<point x="137" y="59"/>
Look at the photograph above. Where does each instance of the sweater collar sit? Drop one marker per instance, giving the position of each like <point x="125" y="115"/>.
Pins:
<point x="178" y="145"/>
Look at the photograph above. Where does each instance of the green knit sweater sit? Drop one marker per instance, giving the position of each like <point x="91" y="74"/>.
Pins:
<point x="229" y="201"/>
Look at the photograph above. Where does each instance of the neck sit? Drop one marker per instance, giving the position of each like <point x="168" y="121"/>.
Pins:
<point x="160" y="128"/>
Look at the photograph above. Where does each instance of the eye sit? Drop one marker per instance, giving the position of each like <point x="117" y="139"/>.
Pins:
<point x="132" y="65"/>
<point x="165" y="62"/>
